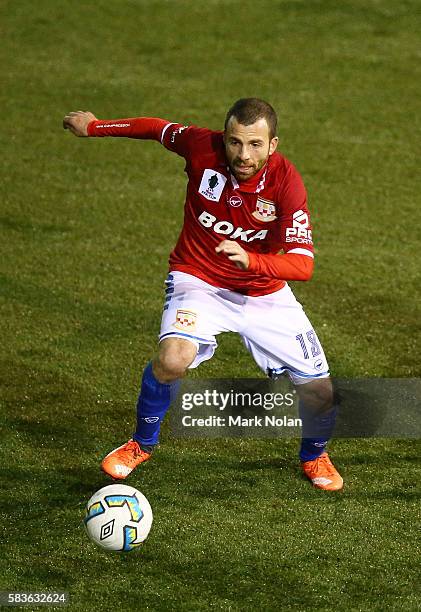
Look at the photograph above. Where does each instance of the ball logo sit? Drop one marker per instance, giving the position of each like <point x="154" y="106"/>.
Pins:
<point x="235" y="201"/>
<point x="107" y="530"/>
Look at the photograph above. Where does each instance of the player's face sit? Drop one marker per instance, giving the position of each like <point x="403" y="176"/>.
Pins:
<point x="248" y="147"/>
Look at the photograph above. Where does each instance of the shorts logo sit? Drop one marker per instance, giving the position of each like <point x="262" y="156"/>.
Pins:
<point x="185" y="320"/>
<point x="212" y="185"/>
<point x="235" y="201"/>
<point x="318" y="364"/>
<point x="265" y="210"/>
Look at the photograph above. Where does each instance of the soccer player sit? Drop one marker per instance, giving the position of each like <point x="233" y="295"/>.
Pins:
<point x="246" y="232"/>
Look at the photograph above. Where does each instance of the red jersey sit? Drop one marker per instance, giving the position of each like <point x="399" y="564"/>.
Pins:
<point x="265" y="214"/>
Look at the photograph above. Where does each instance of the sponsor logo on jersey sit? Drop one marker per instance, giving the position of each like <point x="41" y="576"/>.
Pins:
<point x="227" y="228"/>
<point x="265" y="210"/>
<point x="212" y="185"/>
<point x="235" y="201"/>
<point x="185" y="320"/>
<point x="299" y="231"/>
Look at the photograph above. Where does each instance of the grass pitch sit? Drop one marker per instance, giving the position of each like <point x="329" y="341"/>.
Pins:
<point x="86" y="227"/>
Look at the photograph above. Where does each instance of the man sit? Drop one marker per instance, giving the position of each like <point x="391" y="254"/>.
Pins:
<point x="245" y="203"/>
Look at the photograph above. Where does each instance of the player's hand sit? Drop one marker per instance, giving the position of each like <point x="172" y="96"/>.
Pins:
<point x="234" y="252"/>
<point x="77" y="122"/>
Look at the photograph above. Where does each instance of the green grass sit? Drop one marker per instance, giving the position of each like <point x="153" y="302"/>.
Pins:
<point x="86" y="227"/>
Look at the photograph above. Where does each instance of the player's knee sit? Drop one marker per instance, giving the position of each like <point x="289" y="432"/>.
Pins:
<point x="317" y="394"/>
<point x="174" y="357"/>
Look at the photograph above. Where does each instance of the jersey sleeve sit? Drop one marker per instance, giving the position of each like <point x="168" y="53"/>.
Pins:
<point x="289" y="266"/>
<point x="146" y="128"/>
<point x="295" y="224"/>
<point x="185" y="140"/>
<point x="181" y="139"/>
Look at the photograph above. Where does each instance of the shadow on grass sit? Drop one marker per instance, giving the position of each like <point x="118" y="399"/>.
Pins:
<point x="89" y="324"/>
<point x="32" y="227"/>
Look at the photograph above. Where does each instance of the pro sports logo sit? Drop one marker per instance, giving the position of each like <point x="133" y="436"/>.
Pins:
<point x="299" y="232"/>
<point x="300" y="219"/>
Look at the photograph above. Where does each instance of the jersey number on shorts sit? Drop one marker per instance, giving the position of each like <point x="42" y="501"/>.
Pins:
<point x="312" y="340"/>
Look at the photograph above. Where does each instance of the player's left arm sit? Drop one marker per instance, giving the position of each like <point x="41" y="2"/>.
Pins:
<point x="288" y="266"/>
<point x="297" y="259"/>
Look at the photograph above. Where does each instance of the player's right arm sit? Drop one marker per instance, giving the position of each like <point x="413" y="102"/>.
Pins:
<point x="174" y="136"/>
<point x="84" y="123"/>
<point x="77" y="122"/>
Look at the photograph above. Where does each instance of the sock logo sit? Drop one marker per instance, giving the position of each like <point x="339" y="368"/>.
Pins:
<point x="150" y="419"/>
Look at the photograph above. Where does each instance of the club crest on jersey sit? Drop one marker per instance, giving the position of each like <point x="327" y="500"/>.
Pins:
<point x="185" y="320"/>
<point x="265" y="210"/>
<point x="212" y="185"/>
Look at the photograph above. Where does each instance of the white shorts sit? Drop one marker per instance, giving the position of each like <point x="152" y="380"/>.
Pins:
<point x="273" y="327"/>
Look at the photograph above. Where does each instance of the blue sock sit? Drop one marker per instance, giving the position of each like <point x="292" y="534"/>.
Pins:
<point x="316" y="433"/>
<point x="154" y="400"/>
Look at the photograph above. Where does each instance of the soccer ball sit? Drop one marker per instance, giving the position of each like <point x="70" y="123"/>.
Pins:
<point x="118" y="518"/>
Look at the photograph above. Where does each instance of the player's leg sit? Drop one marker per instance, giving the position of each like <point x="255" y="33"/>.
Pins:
<point x="282" y="340"/>
<point x="159" y="387"/>
<point x="194" y="313"/>
<point x="189" y="324"/>
<point x="318" y="416"/>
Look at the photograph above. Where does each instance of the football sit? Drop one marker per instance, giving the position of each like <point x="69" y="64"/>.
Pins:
<point x="118" y="518"/>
